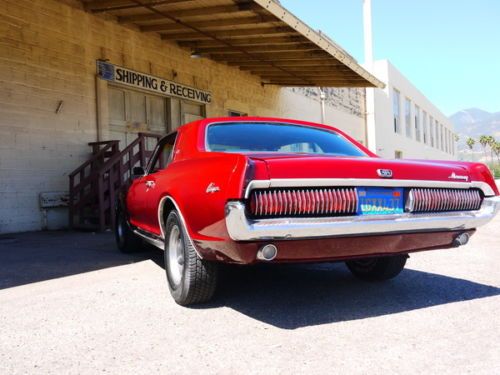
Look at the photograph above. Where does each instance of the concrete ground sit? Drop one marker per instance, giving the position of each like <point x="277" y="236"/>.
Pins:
<point x="70" y="303"/>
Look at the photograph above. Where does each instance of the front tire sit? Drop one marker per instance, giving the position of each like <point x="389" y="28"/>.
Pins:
<point x="377" y="269"/>
<point x="190" y="279"/>
<point x="126" y="240"/>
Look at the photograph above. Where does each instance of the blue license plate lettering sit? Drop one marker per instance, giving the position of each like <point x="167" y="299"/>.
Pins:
<point x="380" y="201"/>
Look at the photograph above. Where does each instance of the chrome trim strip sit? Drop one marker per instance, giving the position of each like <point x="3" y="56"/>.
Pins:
<point x="240" y="228"/>
<point x="347" y="182"/>
<point x="153" y="241"/>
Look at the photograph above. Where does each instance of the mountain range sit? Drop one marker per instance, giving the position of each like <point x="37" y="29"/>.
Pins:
<point x="474" y="122"/>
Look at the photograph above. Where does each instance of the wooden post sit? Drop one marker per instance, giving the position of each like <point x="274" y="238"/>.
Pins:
<point x="71" y="201"/>
<point x="112" y="195"/>
<point x="100" y="193"/>
<point x="142" y="150"/>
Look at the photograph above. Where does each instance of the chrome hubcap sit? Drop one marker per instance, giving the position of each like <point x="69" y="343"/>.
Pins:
<point x="175" y="255"/>
<point x="119" y="229"/>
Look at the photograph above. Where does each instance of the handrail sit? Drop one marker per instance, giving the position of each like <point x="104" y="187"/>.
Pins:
<point x="96" y="191"/>
<point x="109" y="144"/>
<point x="114" y="173"/>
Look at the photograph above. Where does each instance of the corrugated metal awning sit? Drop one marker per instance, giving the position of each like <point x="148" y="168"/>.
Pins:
<point x="259" y="36"/>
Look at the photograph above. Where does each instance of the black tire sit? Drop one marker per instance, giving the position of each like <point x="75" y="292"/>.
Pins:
<point x="126" y="240"/>
<point x="191" y="280"/>
<point x="377" y="269"/>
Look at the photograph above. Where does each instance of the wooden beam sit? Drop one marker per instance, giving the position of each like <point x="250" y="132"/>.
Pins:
<point x="192" y="12"/>
<point x="225" y="34"/>
<point x="175" y="26"/>
<point x="325" y="77"/>
<point x="247" y="41"/>
<point x="203" y="32"/>
<point x="97" y="6"/>
<point x="312" y="62"/>
<point x="320" y="84"/>
<point x="224" y="50"/>
<point x="304" y="71"/>
<point x="272" y="57"/>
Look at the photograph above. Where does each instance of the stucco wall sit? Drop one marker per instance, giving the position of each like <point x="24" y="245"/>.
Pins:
<point x="48" y="51"/>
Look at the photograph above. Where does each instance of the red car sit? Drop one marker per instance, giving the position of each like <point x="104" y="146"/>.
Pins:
<point x="250" y="190"/>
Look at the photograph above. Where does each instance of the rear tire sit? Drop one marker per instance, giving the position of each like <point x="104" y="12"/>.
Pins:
<point x="377" y="269"/>
<point x="126" y="240"/>
<point x="191" y="280"/>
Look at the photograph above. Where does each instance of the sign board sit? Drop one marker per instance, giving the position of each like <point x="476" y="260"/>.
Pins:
<point x="143" y="81"/>
<point x="54" y="199"/>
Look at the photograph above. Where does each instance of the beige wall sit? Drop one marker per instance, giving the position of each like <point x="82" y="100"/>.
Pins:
<point x="48" y="51"/>
<point x="295" y="103"/>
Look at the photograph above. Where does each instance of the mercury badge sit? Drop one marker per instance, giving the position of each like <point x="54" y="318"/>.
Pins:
<point x="212" y="188"/>
<point x="455" y="176"/>
<point x="384" y="173"/>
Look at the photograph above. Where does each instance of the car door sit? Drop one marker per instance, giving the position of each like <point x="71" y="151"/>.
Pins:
<point x="152" y="181"/>
<point x="144" y="189"/>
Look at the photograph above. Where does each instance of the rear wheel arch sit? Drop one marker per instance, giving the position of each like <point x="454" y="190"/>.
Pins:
<point x="168" y="204"/>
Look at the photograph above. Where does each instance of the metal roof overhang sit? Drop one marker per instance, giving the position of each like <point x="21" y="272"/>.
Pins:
<point x="259" y="36"/>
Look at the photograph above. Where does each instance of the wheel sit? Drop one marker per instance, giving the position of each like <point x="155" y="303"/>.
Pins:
<point x="126" y="240"/>
<point x="190" y="279"/>
<point x="377" y="269"/>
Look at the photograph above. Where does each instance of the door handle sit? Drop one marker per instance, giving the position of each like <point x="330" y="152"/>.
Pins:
<point x="150" y="184"/>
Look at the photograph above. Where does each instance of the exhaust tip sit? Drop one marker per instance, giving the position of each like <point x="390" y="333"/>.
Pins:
<point x="267" y="252"/>
<point x="461" y="239"/>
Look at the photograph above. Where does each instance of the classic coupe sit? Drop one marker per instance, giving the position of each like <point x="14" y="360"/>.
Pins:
<point x="249" y="189"/>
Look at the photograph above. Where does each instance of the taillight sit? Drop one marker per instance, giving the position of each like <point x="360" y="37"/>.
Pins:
<point x="304" y="202"/>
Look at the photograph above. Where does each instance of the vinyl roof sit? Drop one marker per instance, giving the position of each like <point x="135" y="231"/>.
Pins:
<point x="259" y="36"/>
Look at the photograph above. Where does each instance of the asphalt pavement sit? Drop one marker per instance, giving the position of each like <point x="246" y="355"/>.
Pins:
<point x="70" y="303"/>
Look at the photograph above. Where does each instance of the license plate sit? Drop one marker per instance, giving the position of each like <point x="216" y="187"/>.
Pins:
<point x="380" y="201"/>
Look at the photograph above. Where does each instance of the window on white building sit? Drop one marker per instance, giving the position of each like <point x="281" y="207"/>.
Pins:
<point x="408" y="117"/>
<point x="417" y="123"/>
<point x="431" y="122"/>
<point x="424" y="126"/>
<point x="442" y="136"/>
<point x="437" y="134"/>
<point x="396" y="110"/>
<point x="446" y="140"/>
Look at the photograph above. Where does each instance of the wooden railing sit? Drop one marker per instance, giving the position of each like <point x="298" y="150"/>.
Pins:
<point x="95" y="184"/>
<point x="82" y="181"/>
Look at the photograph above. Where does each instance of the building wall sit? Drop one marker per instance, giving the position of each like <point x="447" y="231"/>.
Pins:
<point x="48" y="53"/>
<point x="344" y="108"/>
<point x="387" y="140"/>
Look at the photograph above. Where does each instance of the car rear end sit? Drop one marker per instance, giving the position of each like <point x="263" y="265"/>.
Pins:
<point x="322" y="206"/>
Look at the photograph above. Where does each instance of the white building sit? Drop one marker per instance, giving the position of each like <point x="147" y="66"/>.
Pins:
<point x="405" y="123"/>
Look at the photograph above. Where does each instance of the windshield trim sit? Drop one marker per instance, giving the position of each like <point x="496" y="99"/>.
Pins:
<point x="207" y="146"/>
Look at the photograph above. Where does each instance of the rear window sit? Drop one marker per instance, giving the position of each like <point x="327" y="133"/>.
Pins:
<point x="279" y="138"/>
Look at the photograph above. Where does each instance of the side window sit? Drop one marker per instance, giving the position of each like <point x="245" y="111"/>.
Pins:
<point x="163" y="154"/>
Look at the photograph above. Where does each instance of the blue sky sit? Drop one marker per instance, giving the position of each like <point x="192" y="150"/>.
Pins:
<point x="449" y="49"/>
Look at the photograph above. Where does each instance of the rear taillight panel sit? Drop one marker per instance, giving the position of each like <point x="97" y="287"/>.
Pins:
<point x="303" y="202"/>
<point x="344" y="201"/>
<point x="442" y="200"/>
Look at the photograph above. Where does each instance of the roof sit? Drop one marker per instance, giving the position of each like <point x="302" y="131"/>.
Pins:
<point x="259" y="36"/>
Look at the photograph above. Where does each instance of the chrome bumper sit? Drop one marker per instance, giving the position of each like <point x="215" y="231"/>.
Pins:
<point x="241" y="228"/>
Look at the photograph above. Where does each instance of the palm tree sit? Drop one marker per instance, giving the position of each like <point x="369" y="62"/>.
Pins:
<point x="483" y="140"/>
<point x="491" y="144"/>
<point x="496" y="150"/>
<point x="470" y="142"/>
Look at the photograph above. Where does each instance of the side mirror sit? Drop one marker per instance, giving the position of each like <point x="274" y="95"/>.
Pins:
<point x="138" y="172"/>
